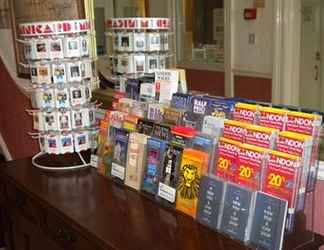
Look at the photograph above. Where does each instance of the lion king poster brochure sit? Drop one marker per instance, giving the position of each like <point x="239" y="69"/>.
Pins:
<point x="192" y="164"/>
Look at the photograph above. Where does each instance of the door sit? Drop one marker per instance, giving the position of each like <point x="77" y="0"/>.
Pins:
<point x="310" y="56"/>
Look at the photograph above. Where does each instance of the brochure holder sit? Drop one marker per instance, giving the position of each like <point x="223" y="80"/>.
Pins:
<point x="62" y="75"/>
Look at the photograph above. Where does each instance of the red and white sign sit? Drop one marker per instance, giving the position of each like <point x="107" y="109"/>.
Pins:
<point x="225" y="166"/>
<point x="138" y="23"/>
<point x="302" y="123"/>
<point x="53" y="28"/>
<point x="282" y="177"/>
<point x="250" y="162"/>
<point x="234" y="130"/>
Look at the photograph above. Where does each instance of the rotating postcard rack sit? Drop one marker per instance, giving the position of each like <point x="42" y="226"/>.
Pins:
<point x="58" y="56"/>
<point x="137" y="47"/>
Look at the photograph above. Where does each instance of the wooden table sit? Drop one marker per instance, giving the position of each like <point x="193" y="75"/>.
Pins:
<point x="83" y="210"/>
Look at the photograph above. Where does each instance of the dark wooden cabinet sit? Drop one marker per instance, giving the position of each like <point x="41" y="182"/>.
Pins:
<point x="82" y="210"/>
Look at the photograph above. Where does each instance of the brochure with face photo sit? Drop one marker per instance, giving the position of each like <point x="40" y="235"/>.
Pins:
<point x="64" y="121"/>
<point x="56" y="48"/>
<point x="152" y="63"/>
<point x="126" y="42"/>
<point x="81" y="141"/>
<point x="84" y="41"/>
<point x="139" y="64"/>
<point x="72" y="47"/>
<point x="42" y="49"/>
<point x="76" y="96"/>
<point x="268" y="222"/>
<point x="59" y="73"/>
<point x="74" y="72"/>
<point x="154" y="41"/>
<point x="210" y="201"/>
<point x="139" y="41"/>
<point x="66" y="143"/>
<point x="50" y="121"/>
<point x="62" y="98"/>
<point x="236" y="214"/>
<point x="52" y="144"/>
<point x="44" y="74"/>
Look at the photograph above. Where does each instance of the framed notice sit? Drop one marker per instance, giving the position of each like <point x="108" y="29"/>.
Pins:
<point x="45" y="10"/>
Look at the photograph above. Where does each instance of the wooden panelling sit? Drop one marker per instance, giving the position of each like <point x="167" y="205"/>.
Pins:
<point x="212" y="82"/>
<point x="14" y="121"/>
<point x="258" y="89"/>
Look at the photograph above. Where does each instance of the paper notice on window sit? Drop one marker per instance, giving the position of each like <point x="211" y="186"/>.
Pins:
<point x="166" y="84"/>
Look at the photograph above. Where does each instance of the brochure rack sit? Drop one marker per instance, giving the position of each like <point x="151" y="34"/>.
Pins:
<point x="62" y="72"/>
<point x="244" y="170"/>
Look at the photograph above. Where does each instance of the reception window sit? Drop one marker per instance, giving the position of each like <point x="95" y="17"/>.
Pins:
<point x="200" y="32"/>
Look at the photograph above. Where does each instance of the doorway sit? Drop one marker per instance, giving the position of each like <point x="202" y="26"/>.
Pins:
<point x="312" y="25"/>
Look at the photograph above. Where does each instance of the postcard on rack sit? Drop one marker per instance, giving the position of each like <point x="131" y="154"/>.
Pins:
<point x="59" y="73"/>
<point x="56" y="48"/>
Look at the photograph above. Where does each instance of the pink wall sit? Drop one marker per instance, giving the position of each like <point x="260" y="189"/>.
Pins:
<point x="213" y="82"/>
<point x="207" y="81"/>
<point x="259" y="89"/>
<point x="14" y="121"/>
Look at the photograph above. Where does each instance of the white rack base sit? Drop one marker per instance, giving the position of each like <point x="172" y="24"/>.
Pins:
<point x="65" y="168"/>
